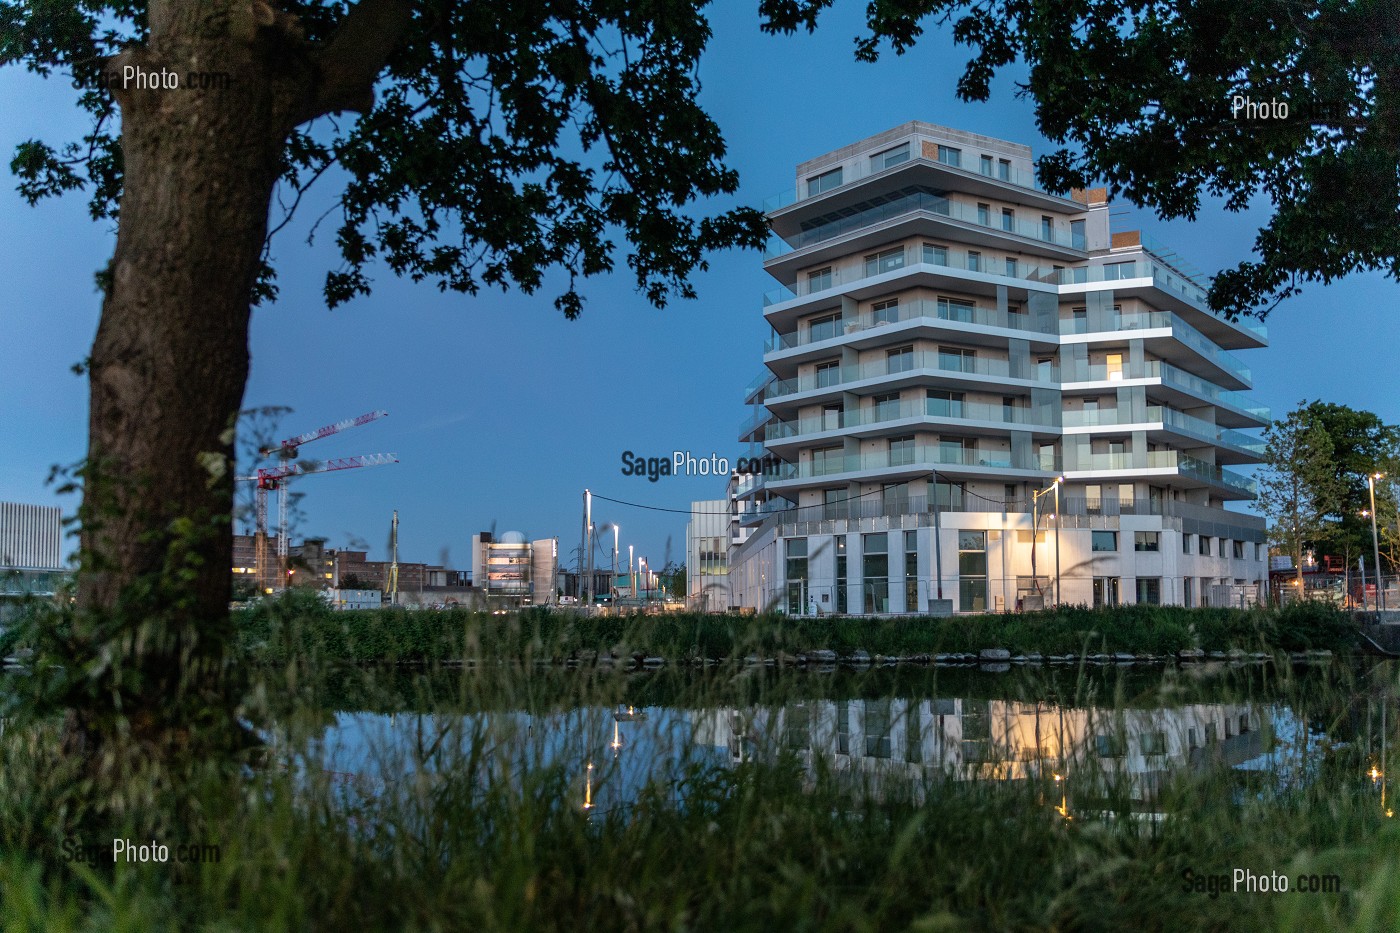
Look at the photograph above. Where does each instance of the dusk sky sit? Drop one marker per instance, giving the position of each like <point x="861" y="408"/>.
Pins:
<point x="502" y="411"/>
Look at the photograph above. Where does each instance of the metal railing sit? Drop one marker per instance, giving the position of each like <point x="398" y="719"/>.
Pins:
<point x="906" y="363"/>
<point x="930" y="408"/>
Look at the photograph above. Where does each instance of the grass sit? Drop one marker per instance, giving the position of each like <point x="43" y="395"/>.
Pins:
<point x="467" y="835"/>
<point x="301" y="626"/>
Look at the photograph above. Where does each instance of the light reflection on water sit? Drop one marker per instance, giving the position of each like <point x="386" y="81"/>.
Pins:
<point x="896" y="744"/>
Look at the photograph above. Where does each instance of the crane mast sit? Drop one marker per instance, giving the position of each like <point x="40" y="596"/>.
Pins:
<point x="274" y="479"/>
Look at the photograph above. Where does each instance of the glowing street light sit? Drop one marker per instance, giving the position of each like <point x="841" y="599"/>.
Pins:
<point x="1375" y="542"/>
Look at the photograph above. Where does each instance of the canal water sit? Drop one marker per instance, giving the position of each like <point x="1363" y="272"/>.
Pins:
<point x="1086" y="735"/>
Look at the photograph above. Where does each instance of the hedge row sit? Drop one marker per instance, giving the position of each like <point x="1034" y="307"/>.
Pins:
<point x="301" y="626"/>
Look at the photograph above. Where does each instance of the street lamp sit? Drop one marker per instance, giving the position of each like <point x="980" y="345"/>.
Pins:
<point x="612" y="584"/>
<point x="1035" y="532"/>
<point x="1375" y="542"/>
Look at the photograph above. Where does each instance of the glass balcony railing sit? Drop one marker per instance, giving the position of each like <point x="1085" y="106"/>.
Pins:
<point x="1188" y="335"/>
<point x="923" y="309"/>
<point x="863" y="168"/>
<point x="1170" y="417"/>
<point x="752" y="420"/>
<point x="1165" y="459"/>
<point x="1170" y="375"/>
<point x="930" y="408"/>
<point x="929" y="203"/>
<point x="1162" y="277"/>
<point x="915" y="456"/>
<point x="903" y="363"/>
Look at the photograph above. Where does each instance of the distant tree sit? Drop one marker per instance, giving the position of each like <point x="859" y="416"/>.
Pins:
<point x="1362" y="444"/>
<point x="1298" y="489"/>
<point x="1140" y="95"/>
<point x="672" y="579"/>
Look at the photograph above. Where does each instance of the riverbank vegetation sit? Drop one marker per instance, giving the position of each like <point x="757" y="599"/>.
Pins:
<point x="299" y="626"/>
<point x="454" y="828"/>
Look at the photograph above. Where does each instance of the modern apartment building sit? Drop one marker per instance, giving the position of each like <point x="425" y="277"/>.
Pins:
<point x="956" y="351"/>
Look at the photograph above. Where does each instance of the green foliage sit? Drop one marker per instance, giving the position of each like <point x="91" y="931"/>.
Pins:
<point x="301" y="626"/>
<point x="1140" y="95"/>
<point x="506" y="139"/>
<point x="1299" y="488"/>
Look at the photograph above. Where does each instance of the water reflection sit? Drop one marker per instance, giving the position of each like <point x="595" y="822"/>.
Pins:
<point x="1079" y="756"/>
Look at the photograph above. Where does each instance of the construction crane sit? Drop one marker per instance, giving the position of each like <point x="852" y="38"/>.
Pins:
<point x="391" y="586"/>
<point x="276" y="477"/>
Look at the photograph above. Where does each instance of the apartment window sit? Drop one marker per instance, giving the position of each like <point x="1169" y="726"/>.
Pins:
<point x="974" y="261"/>
<point x="834" y="502"/>
<point x="1153" y="743"/>
<point x="1011" y="266"/>
<point x="841" y="602"/>
<point x="957" y="450"/>
<point x="945" y="404"/>
<point x="875" y="563"/>
<point x="955" y="309"/>
<point x="1010" y="405"/>
<point x="831" y="416"/>
<point x="819" y="281"/>
<point x="1010" y="495"/>
<point x="823" y="182"/>
<point x="985" y="165"/>
<point x="895" y="498"/>
<point x="957" y="359"/>
<point x="824" y="328"/>
<point x="972" y="571"/>
<point x="826" y="460"/>
<point x="796" y="568"/>
<point x="1008" y="219"/>
<point x="1093" y="500"/>
<point x="1113" y="367"/>
<point x="1079" y="319"/>
<point x="1203" y="545"/>
<point x="884" y="407"/>
<point x="1188" y="595"/>
<point x="950" y="156"/>
<point x="1149" y="590"/>
<point x="1046" y="228"/>
<point x="984" y="214"/>
<point x="884" y="261"/>
<point x="935" y="255"/>
<point x="885" y="312"/>
<point x="1147" y="540"/>
<point x="1185" y="543"/>
<point x="899" y="359"/>
<point x="902" y="450"/>
<point x="949" y="497"/>
<point x="1105" y="592"/>
<point x="1114" y="271"/>
<point x="911" y="571"/>
<point x="828" y="373"/>
<point x="1104" y="541"/>
<point x="1076" y="234"/>
<point x="889" y="158"/>
<point x="1239" y="550"/>
<point x="843" y="727"/>
<point x="1004" y="169"/>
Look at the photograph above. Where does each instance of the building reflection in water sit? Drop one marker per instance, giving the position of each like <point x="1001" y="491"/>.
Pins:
<point x="903" y="742"/>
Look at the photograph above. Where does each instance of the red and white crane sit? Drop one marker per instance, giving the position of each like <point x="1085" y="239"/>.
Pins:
<point x="276" y="477"/>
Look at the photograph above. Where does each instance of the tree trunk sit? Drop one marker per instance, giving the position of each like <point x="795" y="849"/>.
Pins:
<point x="168" y="370"/>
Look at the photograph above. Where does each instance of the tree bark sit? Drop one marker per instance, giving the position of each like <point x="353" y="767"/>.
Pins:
<point x="169" y="365"/>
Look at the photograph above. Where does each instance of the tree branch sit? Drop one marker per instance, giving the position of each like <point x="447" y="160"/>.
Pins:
<point x="352" y="59"/>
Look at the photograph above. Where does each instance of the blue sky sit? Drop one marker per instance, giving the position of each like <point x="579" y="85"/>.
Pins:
<point x="501" y="411"/>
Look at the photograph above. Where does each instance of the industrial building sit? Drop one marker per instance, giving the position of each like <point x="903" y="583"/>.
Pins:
<point x="510" y="571"/>
<point x="984" y="398"/>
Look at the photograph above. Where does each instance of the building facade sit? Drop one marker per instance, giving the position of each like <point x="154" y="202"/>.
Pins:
<point x="983" y="398"/>
<point x="31" y="558"/>
<point x="512" y="571"/>
<point x="707" y="541"/>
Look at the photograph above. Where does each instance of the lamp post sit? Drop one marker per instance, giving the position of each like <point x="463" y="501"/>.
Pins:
<point x="631" y="575"/>
<point x="612" y="584"/>
<point x="1375" y="542"/>
<point x="1035" y="532"/>
<point x="937" y="542"/>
